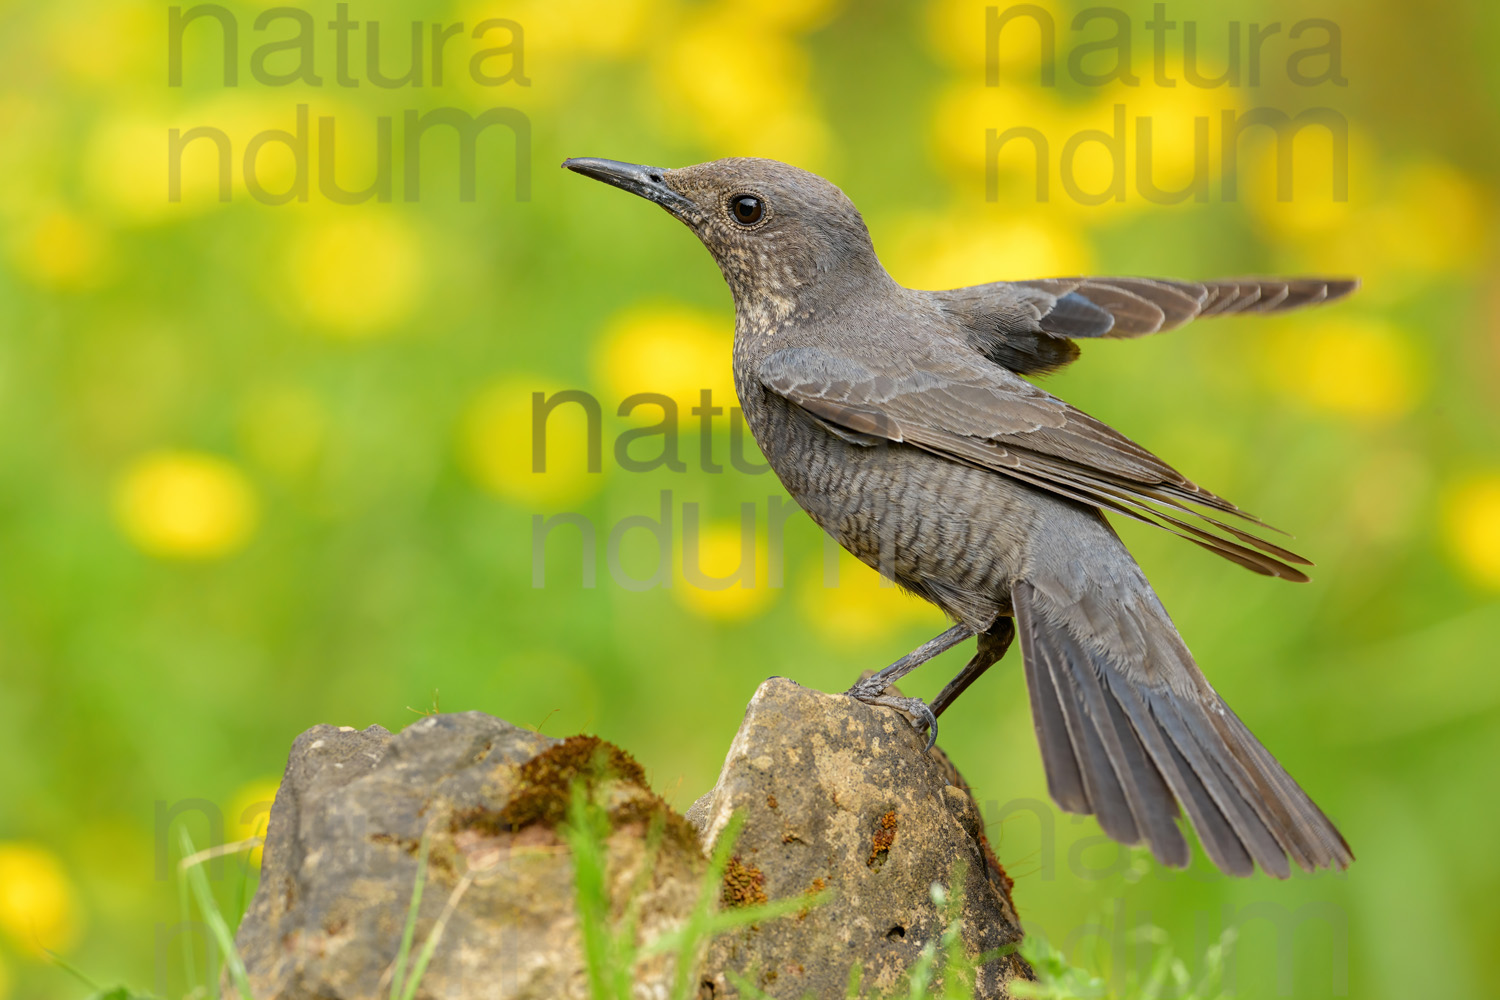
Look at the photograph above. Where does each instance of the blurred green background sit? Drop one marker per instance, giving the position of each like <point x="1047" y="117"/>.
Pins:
<point x="263" y="467"/>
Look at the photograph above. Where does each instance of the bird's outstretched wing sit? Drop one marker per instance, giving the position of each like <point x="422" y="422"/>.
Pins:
<point x="1029" y="326"/>
<point x="970" y="411"/>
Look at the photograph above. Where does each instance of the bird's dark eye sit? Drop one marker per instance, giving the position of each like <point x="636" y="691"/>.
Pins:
<point x="746" y="209"/>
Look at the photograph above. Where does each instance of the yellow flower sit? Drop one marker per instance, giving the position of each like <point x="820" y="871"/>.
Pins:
<point x="670" y="350"/>
<point x="1471" y="523"/>
<point x="965" y="111"/>
<point x="356" y="274"/>
<point x="496" y="444"/>
<point x="1397" y="231"/>
<point x="109" y="44"/>
<point x="721" y="555"/>
<point x="855" y="604"/>
<point x="38" y="906"/>
<point x="250" y="812"/>
<point x="1183" y="122"/>
<point x="957" y="30"/>
<point x="1428" y="221"/>
<point x="127" y="164"/>
<point x="1105" y="134"/>
<point x="1312" y="210"/>
<point x="185" y="505"/>
<point x="609" y="28"/>
<point x="937" y="252"/>
<point x="1363" y="369"/>
<point x="716" y="86"/>
<point x="785" y="15"/>
<point x="63" y="250"/>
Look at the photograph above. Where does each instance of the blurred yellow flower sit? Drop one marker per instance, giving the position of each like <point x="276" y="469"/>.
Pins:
<point x="38" y="905"/>
<point x="1077" y="154"/>
<point x="62" y="250"/>
<point x="1183" y="122"/>
<point x="355" y="273"/>
<point x="721" y="555"/>
<point x="1312" y="208"/>
<point x="284" y="429"/>
<point x="109" y="44"/>
<point x="125" y="172"/>
<point x="785" y="15"/>
<point x="1398" y="229"/>
<point x="666" y="349"/>
<point x="496" y="444"/>
<point x="185" y="505"/>
<point x="855" y="604"/>
<point x="249" y="813"/>
<point x="126" y="161"/>
<point x="949" y="252"/>
<point x="964" y="111"/>
<point x="1358" y="368"/>
<point x="957" y="30"/>
<point x="611" y="28"/>
<point x="1471" y="527"/>
<point x="1428" y="221"/>
<point x="715" y="86"/>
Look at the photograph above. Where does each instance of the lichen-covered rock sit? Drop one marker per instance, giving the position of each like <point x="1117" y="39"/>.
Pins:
<point x="341" y="853"/>
<point x="841" y="796"/>
<point x="835" y="795"/>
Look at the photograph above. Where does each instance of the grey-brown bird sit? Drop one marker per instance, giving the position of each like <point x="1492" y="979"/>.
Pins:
<point x="899" y="420"/>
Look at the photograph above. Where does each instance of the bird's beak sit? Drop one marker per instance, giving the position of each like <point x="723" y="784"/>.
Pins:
<point x="645" y="181"/>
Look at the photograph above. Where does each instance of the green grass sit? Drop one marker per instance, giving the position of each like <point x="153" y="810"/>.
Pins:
<point x="1168" y="975"/>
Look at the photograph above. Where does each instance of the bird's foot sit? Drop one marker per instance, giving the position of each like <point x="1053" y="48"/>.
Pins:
<point x="922" y="717"/>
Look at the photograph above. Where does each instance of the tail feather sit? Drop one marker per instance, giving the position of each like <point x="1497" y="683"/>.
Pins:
<point x="1064" y="780"/>
<point x="1137" y="744"/>
<point x="1105" y="779"/>
<point x="1142" y="785"/>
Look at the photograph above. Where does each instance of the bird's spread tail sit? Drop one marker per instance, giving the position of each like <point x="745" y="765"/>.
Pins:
<point x="1135" y="742"/>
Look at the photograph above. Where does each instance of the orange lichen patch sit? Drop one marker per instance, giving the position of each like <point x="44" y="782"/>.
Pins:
<point x="544" y="790"/>
<point x="744" y="885"/>
<point x="771" y="801"/>
<point x="880" y="844"/>
<point x="817" y="887"/>
<point x="545" y="783"/>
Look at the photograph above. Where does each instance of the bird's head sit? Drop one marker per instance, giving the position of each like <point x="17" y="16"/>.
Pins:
<point x="776" y="231"/>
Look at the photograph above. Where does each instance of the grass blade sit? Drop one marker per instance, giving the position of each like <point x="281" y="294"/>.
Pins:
<point x="429" y="947"/>
<point x="398" y="972"/>
<point x="587" y="829"/>
<point x="218" y="928"/>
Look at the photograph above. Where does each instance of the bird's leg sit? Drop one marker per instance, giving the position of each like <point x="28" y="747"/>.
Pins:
<point x="870" y="690"/>
<point x="992" y="647"/>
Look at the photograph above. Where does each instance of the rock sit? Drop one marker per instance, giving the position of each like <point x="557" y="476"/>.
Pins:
<point x="842" y="796"/>
<point x="341" y="850"/>
<point x="836" y="795"/>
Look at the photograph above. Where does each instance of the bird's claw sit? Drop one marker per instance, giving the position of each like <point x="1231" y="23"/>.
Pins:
<point x="925" y="719"/>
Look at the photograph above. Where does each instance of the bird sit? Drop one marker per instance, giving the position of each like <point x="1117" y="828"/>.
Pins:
<point x="907" y="424"/>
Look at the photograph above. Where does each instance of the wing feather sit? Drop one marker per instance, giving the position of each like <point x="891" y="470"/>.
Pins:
<point x="970" y="411"/>
<point x="1029" y="326"/>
